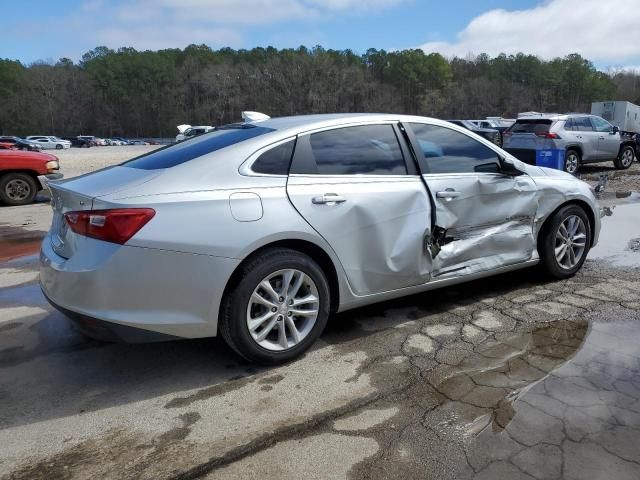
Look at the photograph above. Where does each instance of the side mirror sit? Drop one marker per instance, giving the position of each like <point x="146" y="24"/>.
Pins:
<point x="508" y="168"/>
<point x="615" y="130"/>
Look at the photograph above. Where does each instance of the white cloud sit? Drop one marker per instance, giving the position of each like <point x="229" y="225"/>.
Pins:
<point x="601" y="30"/>
<point x="153" y="24"/>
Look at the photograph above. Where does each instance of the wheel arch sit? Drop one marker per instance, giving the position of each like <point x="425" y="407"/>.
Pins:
<point x="576" y="147"/>
<point x="591" y="215"/>
<point x="314" y="251"/>
<point x="32" y="173"/>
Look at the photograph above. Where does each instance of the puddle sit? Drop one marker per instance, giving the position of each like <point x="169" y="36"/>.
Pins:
<point x="619" y="243"/>
<point x="577" y="420"/>
<point x="16" y="242"/>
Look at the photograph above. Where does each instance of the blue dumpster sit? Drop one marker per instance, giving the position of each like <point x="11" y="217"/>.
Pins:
<point x="551" y="158"/>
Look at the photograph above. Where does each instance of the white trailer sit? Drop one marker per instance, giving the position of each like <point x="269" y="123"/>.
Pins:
<point x="624" y="115"/>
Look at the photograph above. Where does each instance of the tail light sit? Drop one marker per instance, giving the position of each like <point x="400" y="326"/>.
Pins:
<point x="115" y="226"/>
<point x="554" y="136"/>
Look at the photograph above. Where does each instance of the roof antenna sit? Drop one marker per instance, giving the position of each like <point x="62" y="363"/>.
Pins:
<point x="253" y="117"/>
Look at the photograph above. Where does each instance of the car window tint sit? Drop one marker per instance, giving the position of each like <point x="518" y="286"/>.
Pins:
<point x="275" y="161"/>
<point x="367" y="149"/>
<point x="182" y="152"/>
<point x="601" y="125"/>
<point x="570" y="124"/>
<point x="583" y="124"/>
<point x="531" y="126"/>
<point x="448" y="151"/>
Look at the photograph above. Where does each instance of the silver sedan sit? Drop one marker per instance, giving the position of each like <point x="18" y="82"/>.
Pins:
<point x="260" y="230"/>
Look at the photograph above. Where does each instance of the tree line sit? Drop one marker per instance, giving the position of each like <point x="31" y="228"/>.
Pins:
<point x="133" y="93"/>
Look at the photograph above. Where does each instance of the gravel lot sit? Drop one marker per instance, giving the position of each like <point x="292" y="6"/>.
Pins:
<point x="77" y="161"/>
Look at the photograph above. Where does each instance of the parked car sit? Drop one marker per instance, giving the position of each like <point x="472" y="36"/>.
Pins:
<point x="80" y="142"/>
<point x="49" y="142"/>
<point x="7" y="146"/>
<point x="21" y="143"/>
<point x="138" y="142"/>
<point x="491" y="124"/>
<point x="114" y="142"/>
<point x="258" y="231"/>
<point x="187" y="131"/>
<point x="21" y="175"/>
<point x="491" y="134"/>
<point x="584" y="139"/>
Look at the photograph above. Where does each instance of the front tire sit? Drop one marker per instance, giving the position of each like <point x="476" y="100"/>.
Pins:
<point x="278" y="307"/>
<point x="17" y="189"/>
<point x="59" y="147"/>
<point x="572" y="162"/>
<point x="625" y="159"/>
<point x="565" y="242"/>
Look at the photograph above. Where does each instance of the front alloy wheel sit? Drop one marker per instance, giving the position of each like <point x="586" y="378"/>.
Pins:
<point x="282" y="310"/>
<point x="571" y="242"/>
<point x="564" y="241"/>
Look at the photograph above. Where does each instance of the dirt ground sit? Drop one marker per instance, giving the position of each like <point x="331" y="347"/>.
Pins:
<point x="512" y="377"/>
<point x="78" y="161"/>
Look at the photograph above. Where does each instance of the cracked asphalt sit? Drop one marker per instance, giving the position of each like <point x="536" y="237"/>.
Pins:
<point x="509" y="377"/>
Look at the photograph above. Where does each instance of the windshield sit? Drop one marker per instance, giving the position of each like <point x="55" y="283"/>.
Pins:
<point x="197" y="146"/>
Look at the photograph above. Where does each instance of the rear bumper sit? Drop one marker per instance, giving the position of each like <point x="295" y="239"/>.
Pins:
<point x="107" y="331"/>
<point x="104" y="287"/>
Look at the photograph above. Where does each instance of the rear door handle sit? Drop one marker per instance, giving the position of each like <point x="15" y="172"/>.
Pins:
<point x="448" y="193"/>
<point x="601" y="138"/>
<point x="328" y="199"/>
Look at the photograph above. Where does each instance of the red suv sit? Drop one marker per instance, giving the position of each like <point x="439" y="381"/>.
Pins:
<point x="23" y="173"/>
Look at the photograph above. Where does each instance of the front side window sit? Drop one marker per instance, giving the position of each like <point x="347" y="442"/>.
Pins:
<point x="448" y="151"/>
<point x="276" y="160"/>
<point x="601" y="125"/>
<point x="366" y="149"/>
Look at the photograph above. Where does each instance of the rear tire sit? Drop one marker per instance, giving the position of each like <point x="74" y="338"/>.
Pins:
<point x="17" y="189"/>
<point x="59" y="147"/>
<point x="572" y="161"/>
<point x="565" y="242"/>
<point x="238" y="307"/>
<point x="625" y="158"/>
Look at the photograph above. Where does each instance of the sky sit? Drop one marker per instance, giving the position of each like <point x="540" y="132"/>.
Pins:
<point x="606" y="32"/>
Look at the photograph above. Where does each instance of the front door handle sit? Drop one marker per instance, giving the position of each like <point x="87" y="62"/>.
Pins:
<point x="448" y="193"/>
<point x="328" y="199"/>
<point x="601" y="138"/>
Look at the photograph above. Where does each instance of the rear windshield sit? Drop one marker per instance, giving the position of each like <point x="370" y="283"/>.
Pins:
<point x="537" y="125"/>
<point x="182" y="152"/>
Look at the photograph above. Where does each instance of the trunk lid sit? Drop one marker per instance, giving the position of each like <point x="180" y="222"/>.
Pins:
<point x="79" y="193"/>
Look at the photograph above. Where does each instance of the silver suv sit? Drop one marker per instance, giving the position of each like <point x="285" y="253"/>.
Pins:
<point x="583" y="138"/>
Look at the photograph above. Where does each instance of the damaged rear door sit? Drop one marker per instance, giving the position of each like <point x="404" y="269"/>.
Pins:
<point x="355" y="187"/>
<point x="483" y="217"/>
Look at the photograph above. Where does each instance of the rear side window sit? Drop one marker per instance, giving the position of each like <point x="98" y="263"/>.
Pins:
<point x="570" y="124"/>
<point x="178" y="153"/>
<point x="531" y="126"/>
<point x="448" y="151"/>
<point x="275" y="161"/>
<point x="367" y="149"/>
<point x="583" y="124"/>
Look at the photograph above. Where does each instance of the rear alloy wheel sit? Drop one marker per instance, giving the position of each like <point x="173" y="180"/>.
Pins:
<point x="565" y="242"/>
<point x="625" y="159"/>
<point x="17" y="189"/>
<point x="572" y="162"/>
<point x="278" y="308"/>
